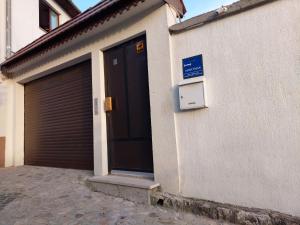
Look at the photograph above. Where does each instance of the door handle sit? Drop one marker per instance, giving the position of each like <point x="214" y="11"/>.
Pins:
<point x="108" y="106"/>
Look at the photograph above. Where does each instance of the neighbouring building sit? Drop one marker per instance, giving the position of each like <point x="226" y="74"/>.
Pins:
<point x="208" y="108"/>
<point x="22" y="22"/>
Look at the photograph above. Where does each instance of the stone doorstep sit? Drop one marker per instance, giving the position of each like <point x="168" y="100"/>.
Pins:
<point x="133" y="189"/>
<point x="225" y="212"/>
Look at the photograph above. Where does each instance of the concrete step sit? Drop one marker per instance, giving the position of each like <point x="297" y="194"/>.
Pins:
<point x="133" y="189"/>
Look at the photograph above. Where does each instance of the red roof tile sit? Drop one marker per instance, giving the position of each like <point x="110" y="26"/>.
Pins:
<point x="81" y="23"/>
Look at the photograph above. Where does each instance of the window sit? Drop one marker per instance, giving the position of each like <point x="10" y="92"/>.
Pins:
<point x="49" y="19"/>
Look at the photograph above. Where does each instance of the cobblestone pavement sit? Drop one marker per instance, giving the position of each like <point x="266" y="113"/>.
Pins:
<point x="40" y="196"/>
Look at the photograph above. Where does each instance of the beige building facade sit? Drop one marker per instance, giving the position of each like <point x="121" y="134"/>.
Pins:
<point x="19" y="26"/>
<point x="242" y="148"/>
<point x="25" y="31"/>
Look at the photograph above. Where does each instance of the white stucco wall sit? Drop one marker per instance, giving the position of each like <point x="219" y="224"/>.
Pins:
<point x="2" y="30"/>
<point x="25" y="21"/>
<point x="155" y="24"/>
<point x="2" y="57"/>
<point x="3" y="101"/>
<point x="244" y="148"/>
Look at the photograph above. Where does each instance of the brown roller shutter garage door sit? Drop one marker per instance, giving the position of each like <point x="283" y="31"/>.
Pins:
<point x="59" y="119"/>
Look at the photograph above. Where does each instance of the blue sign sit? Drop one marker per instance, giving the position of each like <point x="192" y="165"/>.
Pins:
<point x="193" y="67"/>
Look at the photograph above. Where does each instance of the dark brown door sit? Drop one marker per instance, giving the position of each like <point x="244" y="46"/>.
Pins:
<point x="129" y="123"/>
<point x="59" y="119"/>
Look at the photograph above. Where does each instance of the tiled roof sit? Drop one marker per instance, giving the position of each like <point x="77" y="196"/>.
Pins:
<point x="91" y="18"/>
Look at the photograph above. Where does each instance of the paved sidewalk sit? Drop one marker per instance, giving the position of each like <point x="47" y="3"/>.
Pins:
<point x="40" y="196"/>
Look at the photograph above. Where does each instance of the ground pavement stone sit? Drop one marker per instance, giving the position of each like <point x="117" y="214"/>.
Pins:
<point x="50" y="196"/>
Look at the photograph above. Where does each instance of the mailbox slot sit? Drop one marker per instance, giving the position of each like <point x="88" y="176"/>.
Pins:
<point x="191" y="94"/>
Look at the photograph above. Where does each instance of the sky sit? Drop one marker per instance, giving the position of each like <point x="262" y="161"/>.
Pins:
<point x="194" y="7"/>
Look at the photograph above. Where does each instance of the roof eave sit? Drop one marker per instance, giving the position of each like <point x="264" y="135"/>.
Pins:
<point x="178" y="5"/>
<point x="84" y="22"/>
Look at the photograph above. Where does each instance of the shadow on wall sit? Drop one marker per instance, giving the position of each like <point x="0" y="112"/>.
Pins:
<point x="2" y="94"/>
<point x="2" y="124"/>
<point x="176" y="99"/>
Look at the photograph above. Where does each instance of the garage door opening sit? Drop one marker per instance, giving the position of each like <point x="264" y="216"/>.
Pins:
<point x="59" y="119"/>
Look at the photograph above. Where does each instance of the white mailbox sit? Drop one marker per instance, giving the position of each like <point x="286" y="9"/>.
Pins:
<point x="191" y="94"/>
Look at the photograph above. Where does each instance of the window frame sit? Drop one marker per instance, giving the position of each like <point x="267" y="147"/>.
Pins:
<point x="50" y="9"/>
